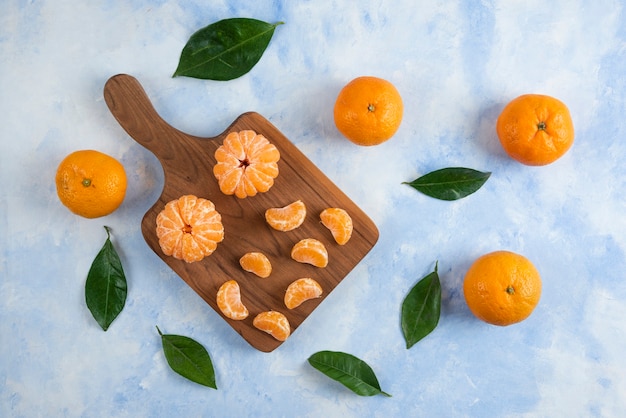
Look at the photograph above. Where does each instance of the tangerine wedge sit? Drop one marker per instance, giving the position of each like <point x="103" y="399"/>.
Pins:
<point x="286" y="218"/>
<point x="257" y="263"/>
<point x="274" y="323"/>
<point x="300" y="291"/>
<point x="229" y="301"/>
<point x="310" y="251"/>
<point x="339" y="223"/>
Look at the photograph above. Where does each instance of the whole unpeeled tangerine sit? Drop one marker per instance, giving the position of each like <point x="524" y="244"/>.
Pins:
<point x="368" y="111"/>
<point x="90" y="183"/>
<point x="535" y="129"/>
<point x="502" y="288"/>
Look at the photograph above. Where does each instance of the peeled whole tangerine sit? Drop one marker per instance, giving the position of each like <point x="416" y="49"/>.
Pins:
<point x="189" y="228"/>
<point x="247" y="163"/>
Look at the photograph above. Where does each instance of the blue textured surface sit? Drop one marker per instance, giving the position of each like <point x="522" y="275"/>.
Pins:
<point x="456" y="64"/>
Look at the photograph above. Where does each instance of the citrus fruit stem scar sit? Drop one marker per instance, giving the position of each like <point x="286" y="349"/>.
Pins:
<point x="541" y="126"/>
<point x="86" y="182"/>
<point x="510" y="290"/>
<point x="371" y="107"/>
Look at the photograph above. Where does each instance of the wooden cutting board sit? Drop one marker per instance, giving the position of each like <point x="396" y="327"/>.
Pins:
<point x="187" y="165"/>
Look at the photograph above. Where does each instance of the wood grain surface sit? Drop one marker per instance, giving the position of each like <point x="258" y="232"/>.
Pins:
<point x="188" y="163"/>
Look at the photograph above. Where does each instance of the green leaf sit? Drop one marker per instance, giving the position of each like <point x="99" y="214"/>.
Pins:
<point x="188" y="358"/>
<point x="105" y="288"/>
<point x="421" y="309"/>
<point x="349" y="370"/>
<point x="226" y="49"/>
<point x="450" y="183"/>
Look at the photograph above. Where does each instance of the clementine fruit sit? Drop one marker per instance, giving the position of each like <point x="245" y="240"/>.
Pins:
<point x="502" y="288"/>
<point x="247" y="163"/>
<point x="310" y="251"/>
<point x="229" y="301"/>
<point x="257" y="263"/>
<point x="535" y="129"/>
<point x="286" y="218"/>
<point x="339" y="223"/>
<point x="274" y="323"/>
<point x="368" y="110"/>
<point x="189" y="228"/>
<point x="301" y="290"/>
<point x="90" y="183"/>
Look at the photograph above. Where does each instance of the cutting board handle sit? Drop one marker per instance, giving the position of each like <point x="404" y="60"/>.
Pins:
<point x="131" y="107"/>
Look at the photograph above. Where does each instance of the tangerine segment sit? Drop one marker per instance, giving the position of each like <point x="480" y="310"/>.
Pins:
<point x="274" y="323"/>
<point x="286" y="218"/>
<point x="247" y="163"/>
<point x="302" y="290"/>
<point x="339" y="223"/>
<point x="311" y="251"/>
<point x="257" y="263"/>
<point x="229" y="301"/>
<point x="189" y="228"/>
